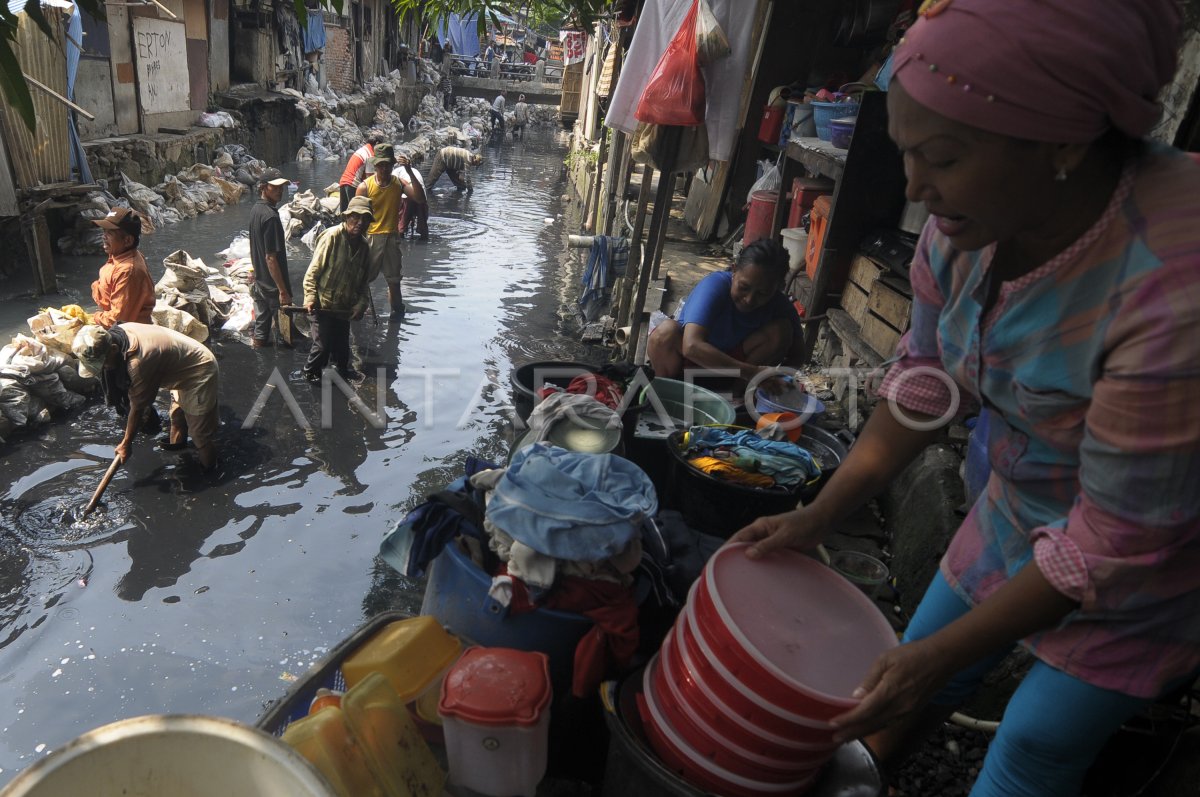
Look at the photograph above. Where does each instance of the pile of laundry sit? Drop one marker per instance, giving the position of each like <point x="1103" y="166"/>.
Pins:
<point x="556" y="529"/>
<point x="38" y="374"/>
<point x="748" y="459"/>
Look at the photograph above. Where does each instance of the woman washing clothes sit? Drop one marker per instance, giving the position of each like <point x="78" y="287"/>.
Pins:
<point x="736" y="321"/>
<point x="1057" y="283"/>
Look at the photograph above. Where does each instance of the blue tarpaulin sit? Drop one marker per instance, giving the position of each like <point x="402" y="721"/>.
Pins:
<point x="462" y="33"/>
<point x="75" y="34"/>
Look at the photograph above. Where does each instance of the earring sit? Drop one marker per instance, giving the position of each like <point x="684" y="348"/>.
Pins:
<point x="1061" y="176"/>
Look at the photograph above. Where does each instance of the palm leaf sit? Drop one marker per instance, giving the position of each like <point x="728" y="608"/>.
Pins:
<point x="16" y="91"/>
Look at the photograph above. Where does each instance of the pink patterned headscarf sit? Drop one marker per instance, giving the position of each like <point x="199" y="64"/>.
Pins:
<point x="1063" y="71"/>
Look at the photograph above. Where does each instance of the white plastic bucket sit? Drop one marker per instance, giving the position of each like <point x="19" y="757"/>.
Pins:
<point x="180" y="755"/>
<point x="795" y="241"/>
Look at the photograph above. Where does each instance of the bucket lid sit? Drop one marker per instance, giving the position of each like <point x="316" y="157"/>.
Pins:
<point x="800" y="620"/>
<point x="497" y="687"/>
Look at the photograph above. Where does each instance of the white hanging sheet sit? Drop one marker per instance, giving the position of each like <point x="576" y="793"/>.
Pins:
<point x="723" y="80"/>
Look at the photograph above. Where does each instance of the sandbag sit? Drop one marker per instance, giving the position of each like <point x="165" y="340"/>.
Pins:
<point x="56" y="329"/>
<point x="179" y="320"/>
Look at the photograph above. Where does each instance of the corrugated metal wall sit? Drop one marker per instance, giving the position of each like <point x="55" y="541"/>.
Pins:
<point x="41" y="157"/>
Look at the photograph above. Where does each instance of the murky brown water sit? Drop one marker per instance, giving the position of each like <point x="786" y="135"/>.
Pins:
<point x="185" y="595"/>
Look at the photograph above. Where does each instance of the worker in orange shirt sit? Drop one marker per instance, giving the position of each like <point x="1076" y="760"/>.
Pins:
<point x="124" y="291"/>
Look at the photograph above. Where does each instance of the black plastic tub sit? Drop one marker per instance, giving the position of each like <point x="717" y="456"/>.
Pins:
<point x="527" y="379"/>
<point x="715" y="506"/>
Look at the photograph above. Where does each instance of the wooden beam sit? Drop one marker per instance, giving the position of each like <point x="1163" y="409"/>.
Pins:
<point x="635" y="247"/>
<point x="658" y="223"/>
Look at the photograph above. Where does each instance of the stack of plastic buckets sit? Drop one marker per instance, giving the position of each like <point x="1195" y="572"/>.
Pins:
<point x="738" y="699"/>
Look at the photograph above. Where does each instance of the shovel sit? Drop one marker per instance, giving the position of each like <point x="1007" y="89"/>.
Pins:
<point x="108" y="475"/>
<point x="284" y="322"/>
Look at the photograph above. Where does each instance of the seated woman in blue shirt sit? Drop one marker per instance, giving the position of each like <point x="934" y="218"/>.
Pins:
<point x="738" y="321"/>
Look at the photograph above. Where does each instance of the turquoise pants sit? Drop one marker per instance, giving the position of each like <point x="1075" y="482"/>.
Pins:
<point x="1054" y="725"/>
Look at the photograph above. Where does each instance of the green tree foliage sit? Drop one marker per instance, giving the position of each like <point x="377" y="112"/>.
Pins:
<point x="539" y="11"/>
<point x="12" y="81"/>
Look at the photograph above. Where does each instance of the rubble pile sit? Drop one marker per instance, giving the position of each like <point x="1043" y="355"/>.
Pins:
<point x="200" y="188"/>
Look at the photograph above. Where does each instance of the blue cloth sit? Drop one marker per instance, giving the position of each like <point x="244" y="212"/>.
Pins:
<point x="462" y="33"/>
<point x="314" y="31"/>
<point x="1054" y="725"/>
<point x="709" y="305"/>
<point x="418" y="539"/>
<point x="572" y="506"/>
<point x="78" y="156"/>
<point x="789" y="464"/>
<point x="606" y="262"/>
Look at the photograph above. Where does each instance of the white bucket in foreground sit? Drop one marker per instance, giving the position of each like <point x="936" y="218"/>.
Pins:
<point x="795" y="241"/>
<point x="178" y="755"/>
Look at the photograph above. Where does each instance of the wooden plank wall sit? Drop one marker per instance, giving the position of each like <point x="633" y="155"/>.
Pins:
<point x="41" y="157"/>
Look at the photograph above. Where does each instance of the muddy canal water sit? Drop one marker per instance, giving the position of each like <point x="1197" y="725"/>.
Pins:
<point x="209" y="596"/>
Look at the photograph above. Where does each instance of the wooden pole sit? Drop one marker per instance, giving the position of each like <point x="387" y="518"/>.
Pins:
<point x="593" y="207"/>
<point x="59" y="97"/>
<point x="635" y="247"/>
<point x="108" y="476"/>
<point x="658" y="221"/>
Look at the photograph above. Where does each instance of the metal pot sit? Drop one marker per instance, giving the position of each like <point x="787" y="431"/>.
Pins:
<point x="829" y="449"/>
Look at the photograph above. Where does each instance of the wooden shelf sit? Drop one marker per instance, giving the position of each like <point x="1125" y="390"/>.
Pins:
<point x="819" y="157"/>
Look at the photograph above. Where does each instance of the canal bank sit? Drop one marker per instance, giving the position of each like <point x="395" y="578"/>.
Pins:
<point x="189" y="595"/>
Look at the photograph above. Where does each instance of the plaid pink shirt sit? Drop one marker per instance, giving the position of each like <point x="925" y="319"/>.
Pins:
<point x="1091" y="367"/>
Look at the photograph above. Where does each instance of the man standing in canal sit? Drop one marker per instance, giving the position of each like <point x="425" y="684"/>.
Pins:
<point x="383" y="238"/>
<point x="456" y="163"/>
<point x="272" y="285"/>
<point x="520" y="117"/>
<point x="414" y="205"/>
<point x="496" y="113"/>
<point x="124" y="291"/>
<point x="358" y="167"/>
<point x="335" y="290"/>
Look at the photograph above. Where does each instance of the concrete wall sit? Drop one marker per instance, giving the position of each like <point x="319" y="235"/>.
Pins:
<point x="218" y="46"/>
<point x="94" y="91"/>
<point x="147" y="158"/>
<point x="252" y="55"/>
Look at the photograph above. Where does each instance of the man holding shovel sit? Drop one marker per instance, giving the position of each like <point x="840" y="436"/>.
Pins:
<point x="135" y="361"/>
<point x="336" y="289"/>
<point x="272" y="286"/>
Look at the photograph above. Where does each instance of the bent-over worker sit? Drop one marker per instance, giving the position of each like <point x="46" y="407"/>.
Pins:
<point x="134" y="361"/>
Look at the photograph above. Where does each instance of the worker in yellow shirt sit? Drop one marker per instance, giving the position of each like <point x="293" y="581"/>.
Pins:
<point x="383" y="236"/>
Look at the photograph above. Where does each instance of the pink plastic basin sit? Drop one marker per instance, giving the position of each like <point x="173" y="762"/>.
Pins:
<point x="736" y="728"/>
<point x="722" y="684"/>
<point x="713" y="744"/>
<point x="797" y="632"/>
<point x="678" y="756"/>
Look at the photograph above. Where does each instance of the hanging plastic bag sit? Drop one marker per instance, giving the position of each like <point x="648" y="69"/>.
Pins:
<point x="768" y="181"/>
<point x="675" y="93"/>
<point x="711" y="42"/>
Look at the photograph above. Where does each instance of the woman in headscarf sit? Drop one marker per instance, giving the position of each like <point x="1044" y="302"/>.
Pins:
<point x="1057" y="283"/>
